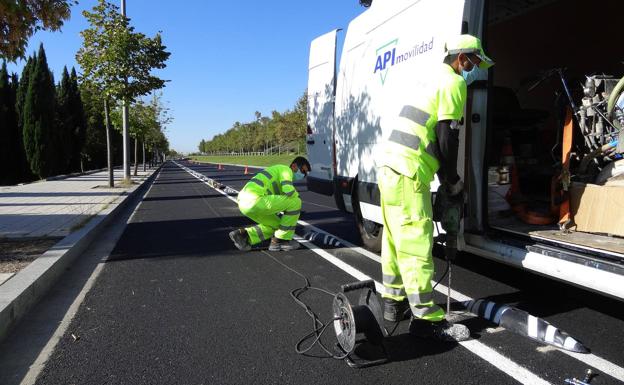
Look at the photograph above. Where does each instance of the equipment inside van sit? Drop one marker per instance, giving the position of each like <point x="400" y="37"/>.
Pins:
<point x="541" y="144"/>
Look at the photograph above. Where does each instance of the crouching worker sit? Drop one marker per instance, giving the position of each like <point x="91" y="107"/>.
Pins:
<point x="271" y="200"/>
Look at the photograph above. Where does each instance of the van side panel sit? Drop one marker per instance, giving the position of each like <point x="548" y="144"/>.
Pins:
<point x="386" y="47"/>
<point x="321" y="93"/>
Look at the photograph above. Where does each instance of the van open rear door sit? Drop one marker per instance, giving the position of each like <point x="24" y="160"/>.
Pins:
<point x="321" y="95"/>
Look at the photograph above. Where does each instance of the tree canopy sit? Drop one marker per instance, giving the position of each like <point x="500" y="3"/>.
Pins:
<point x="117" y="60"/>
<point x="20" y="19"/>
<point x="281" y="130"/>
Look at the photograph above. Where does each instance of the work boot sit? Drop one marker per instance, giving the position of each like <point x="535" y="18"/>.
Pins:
<point x="283" y="245"/>
<point x="395" y="311"/>
<point x="240" y="239"/>
<point x="441" y="330"/>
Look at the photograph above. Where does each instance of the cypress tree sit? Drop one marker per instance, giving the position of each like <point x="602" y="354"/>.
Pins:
<point x="17" y="145"/>
<point x="79" y="127"/>
<point x="94" y="148"/>
<point x="64" y="124"/>
<point x="25" y="175"/>
<point x="6" y="129"/>
<point x="39" y="119"/>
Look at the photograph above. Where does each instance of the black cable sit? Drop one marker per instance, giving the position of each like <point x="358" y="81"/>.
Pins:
<point x="318" y="326"/>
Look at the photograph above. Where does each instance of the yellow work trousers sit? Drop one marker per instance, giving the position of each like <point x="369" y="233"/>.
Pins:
<point x="274" y="214"/>
<point x="406" y="260"/>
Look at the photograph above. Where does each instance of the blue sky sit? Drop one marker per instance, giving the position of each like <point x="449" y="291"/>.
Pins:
<point x="228" y="58"/>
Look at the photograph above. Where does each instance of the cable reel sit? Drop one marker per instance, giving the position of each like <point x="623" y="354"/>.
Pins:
<point x="364" y="320"/>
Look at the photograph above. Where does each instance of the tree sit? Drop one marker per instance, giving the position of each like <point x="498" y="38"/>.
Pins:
<point x="7" y="127"/>
<point x="202" y="146"/>
<point x="94" y="150"/>
<point x="79" y="124"/>
<point x="117" y="60"/>
<point x="282" y="130"/>
<point x="20" y="101"/>
<point x="63" y="135"/>
<point x="71" y="121"/>
<point x="38" y="116"/>
<point x="20" y="19"/>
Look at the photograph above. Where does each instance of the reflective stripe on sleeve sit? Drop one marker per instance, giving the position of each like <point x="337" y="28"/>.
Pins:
<point x="287" y="228"/>
<point x="414" y="114"/>
<point x="290" y="193"/>
<point x="267" y="174"/>
<point x="257" y="181"/>
<point x="287" y="183"/>
<point x="295" y="212"/>
<point x="276" y="188"/>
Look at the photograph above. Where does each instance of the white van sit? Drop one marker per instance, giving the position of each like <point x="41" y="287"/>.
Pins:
<point x="513" y="125"/>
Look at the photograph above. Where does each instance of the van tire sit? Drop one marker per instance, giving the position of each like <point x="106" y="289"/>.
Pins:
<point x="370" y="232"/>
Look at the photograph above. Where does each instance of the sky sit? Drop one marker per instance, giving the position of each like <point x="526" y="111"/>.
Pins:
<point x="228" y="58"/>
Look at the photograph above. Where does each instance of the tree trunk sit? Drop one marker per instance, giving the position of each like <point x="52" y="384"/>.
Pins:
<point x="126" y="140"/>
<point x="144" y="167"/>
<point x="109" y="156"/>
<point x="136" y="156"/>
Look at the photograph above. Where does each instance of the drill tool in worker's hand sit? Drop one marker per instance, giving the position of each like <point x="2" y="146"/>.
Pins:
<point x="448" y="210"/>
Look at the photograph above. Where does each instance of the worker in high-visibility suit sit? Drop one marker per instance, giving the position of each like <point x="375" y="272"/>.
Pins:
<point x="271" y="200"/>
<point x="423" y="139"/>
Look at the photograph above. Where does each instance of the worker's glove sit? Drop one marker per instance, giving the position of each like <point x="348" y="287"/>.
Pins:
<point x="454" y="190"/>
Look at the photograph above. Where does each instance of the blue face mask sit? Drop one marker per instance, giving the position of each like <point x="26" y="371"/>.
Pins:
<point x="298" y="175"/>
<point x="472" y="75"/>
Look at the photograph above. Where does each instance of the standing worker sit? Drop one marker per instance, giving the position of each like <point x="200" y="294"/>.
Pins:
<point x="424" y="140"/>
<point x="266" y="195"/>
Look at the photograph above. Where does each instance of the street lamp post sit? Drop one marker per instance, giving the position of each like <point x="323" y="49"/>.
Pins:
<point x="124" y="118"/>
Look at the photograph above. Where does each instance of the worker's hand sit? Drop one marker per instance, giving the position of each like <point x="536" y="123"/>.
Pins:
<point x="454" y="189"/>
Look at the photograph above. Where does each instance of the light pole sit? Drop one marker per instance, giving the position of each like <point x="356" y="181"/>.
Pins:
<point x="124" y="119"/>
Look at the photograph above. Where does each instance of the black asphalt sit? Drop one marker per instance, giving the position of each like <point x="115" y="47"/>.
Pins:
<point x="177" y="304"/>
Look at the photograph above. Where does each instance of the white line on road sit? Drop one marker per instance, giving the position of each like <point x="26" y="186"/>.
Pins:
<point x="603" y="365"/>
<point x="496" y="359"/>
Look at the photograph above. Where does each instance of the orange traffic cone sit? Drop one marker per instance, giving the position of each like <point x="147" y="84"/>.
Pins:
<point x="246" y="170"/>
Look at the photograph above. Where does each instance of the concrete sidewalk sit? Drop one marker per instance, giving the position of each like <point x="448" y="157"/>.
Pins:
<point x="76" y="209"/>
<point x="60" y="207"/>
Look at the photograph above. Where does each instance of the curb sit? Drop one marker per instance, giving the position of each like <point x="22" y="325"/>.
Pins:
<point x="20" y="293"/>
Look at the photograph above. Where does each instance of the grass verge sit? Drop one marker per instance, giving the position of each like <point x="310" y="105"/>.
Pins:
<point x="251" y="160"/>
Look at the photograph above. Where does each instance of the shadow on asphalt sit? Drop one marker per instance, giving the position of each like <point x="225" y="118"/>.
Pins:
<point x="203" y="238"/>
<point x="185" y="197"/>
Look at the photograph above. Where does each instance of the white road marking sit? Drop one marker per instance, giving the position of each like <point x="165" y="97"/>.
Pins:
<point x="546" y="349"/>
<point x="604" y="366"/>
<point x="496" y="359"/>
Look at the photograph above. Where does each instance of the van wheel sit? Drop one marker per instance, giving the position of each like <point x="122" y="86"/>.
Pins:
<point x="370" y="232"/>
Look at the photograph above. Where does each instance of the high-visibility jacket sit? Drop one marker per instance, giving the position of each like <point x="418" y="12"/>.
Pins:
<point x="273" y="180"/>
<point x="409" y="149"/>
